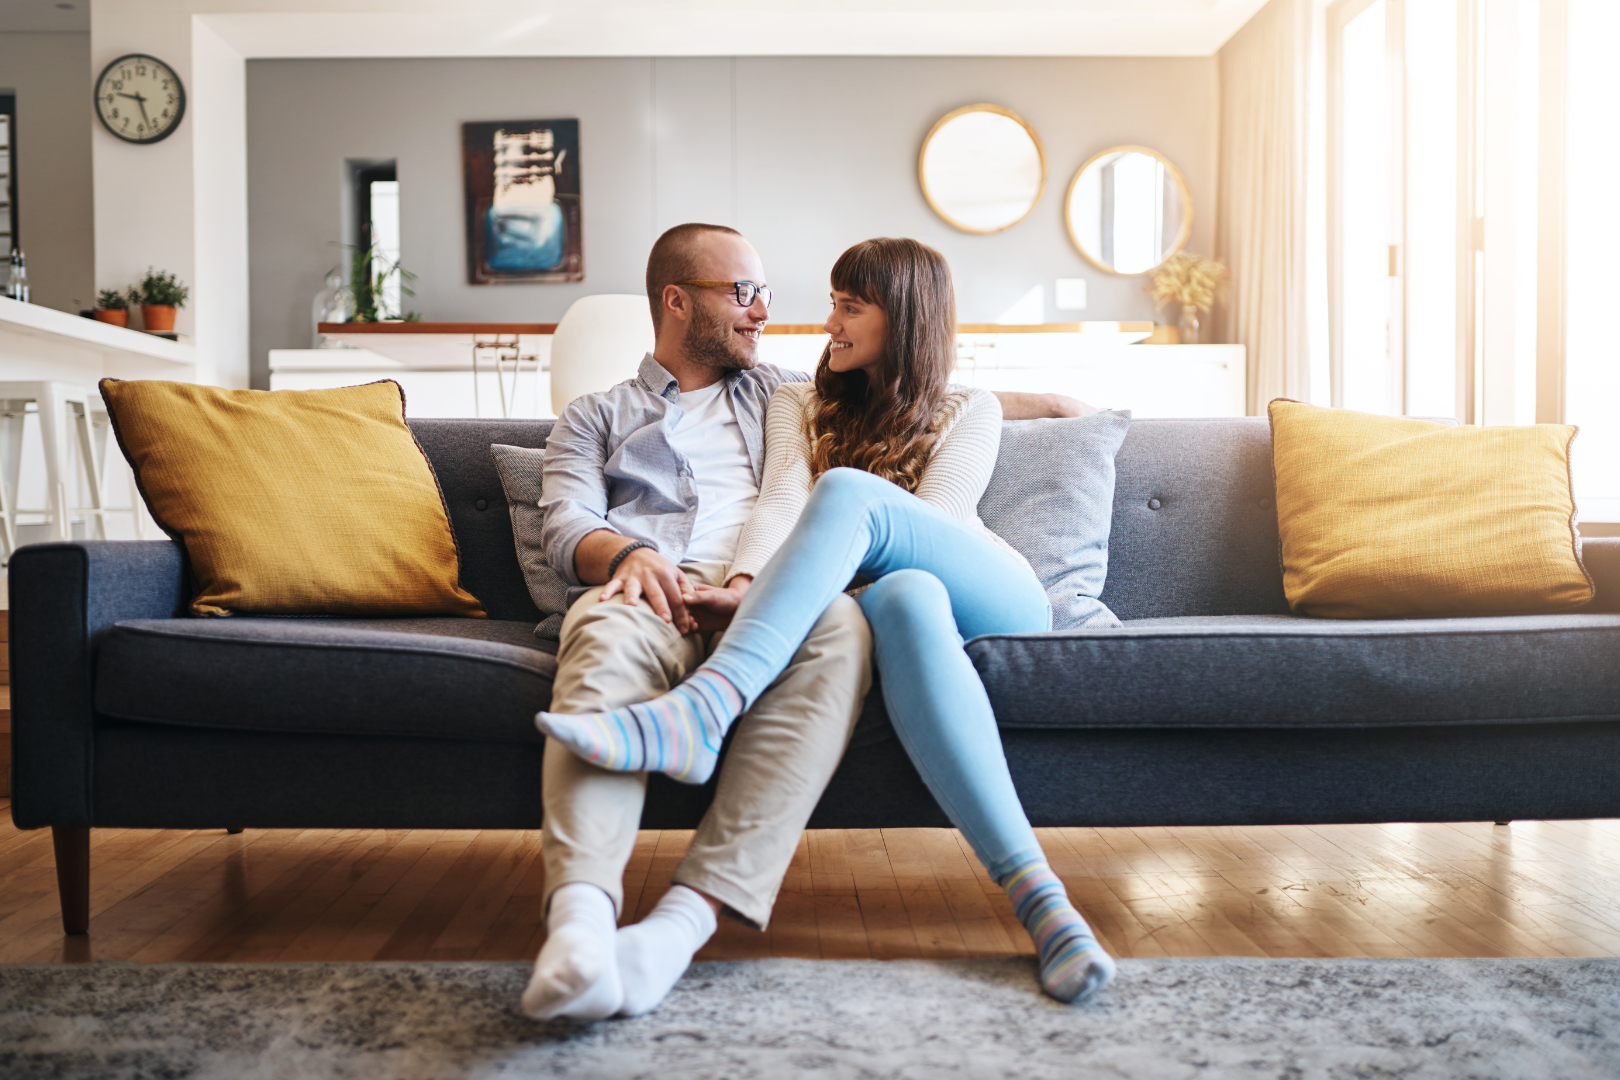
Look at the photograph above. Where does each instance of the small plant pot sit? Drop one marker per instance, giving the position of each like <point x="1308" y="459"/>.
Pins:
<point x="114" y="316"/>
<point x="157" y="318"/>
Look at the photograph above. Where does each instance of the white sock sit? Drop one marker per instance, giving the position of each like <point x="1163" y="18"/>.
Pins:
<point x="576" y="974"/>
<point x="655" y="952"/>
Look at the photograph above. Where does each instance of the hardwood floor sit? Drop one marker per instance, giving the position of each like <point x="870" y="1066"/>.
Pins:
<point x="1548" y="888"/>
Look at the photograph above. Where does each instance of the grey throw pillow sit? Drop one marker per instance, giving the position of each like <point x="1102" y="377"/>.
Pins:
<point x="519" y="468"/>
<point x="1052" y="498"/>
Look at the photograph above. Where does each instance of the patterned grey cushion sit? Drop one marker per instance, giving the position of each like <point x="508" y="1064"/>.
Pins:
<point x="519" y="468"/>
<point x="1052" y="498"/>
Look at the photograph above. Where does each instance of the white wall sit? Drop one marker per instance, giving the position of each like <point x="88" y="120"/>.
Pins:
<point x="143" y="194"/>
<point x="805" y="155"/>
<point x="219" y="184"/>
<point x="180" y="204"/>
<point x="49" y="73"/>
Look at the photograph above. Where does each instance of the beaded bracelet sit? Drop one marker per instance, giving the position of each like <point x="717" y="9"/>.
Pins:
<point x="627" y="549"/>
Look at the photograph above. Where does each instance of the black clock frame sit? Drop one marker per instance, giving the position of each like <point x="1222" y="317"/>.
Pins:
<point x="180" y="109"/>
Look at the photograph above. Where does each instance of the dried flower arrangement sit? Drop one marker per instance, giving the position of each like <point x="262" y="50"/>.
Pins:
<point x="1189" y="280"/>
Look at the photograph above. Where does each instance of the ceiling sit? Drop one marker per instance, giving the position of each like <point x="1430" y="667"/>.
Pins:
<point x="380" y="28"/>
<point x="60" y="16"/>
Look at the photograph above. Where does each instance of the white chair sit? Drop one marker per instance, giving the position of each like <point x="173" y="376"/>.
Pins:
<point x="61" y="409"/>
<point x="599" y="343"/>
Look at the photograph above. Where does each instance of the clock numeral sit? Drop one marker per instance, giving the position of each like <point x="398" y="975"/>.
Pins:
<point x="171" y="99"/>
<point x="140" y="69"/>
<point x="115" y="114"/>
<point x="118" y="84"/>
<point x="110" y="99"/>
<point x="126" y="121"/>
<point x="165" y="84"/>
<point x="165" y="114"/>
<point x="124" y="72"/>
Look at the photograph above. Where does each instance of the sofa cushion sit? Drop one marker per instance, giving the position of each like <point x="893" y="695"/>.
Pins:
<point x="1290" y="671"/>
<point x="441" y="677"/>
<point x="521" y="469"/>
<point x="298" y="502"/>
<point x="1389" y="517"/>
<point x="1052" y="498"/>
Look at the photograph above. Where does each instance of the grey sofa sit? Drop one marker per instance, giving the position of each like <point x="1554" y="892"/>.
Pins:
<point x="1212" y="705"/>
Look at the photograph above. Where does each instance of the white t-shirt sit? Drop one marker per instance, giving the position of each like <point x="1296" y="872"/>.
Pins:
<point x="709" y="438"/>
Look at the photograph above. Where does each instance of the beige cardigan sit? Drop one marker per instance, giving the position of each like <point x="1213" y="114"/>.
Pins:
<point x="955" y="476"/>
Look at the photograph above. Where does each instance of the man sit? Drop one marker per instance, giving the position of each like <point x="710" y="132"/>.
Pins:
<point x="646" y="488"/>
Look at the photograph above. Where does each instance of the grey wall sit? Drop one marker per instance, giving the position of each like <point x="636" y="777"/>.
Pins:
<point x="804" y="155"/>
<point x="50" y="74"/>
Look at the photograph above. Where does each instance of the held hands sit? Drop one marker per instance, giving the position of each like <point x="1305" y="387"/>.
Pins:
<point x="713" y="607"/>
<point x="689" y="607"/>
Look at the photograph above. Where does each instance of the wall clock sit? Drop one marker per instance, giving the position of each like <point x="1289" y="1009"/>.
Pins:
<point x="139" y="98"/>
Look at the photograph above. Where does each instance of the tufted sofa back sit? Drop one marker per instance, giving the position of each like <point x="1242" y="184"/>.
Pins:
<point x="1195" y="521"/>
<point x="1194" y="532"/>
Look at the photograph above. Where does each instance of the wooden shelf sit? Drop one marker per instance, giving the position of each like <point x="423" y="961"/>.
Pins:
<point x="457" y="328"/>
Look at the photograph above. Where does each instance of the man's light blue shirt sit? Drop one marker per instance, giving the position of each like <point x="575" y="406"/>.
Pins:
<point x="610" y="464"/>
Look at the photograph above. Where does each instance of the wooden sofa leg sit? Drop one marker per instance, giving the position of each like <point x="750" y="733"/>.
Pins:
<point x="1504" y="822"/>
<point x="73" y="876"/>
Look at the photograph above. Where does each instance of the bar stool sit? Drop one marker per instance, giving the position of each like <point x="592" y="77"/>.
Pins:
<point x="64" y="411"/>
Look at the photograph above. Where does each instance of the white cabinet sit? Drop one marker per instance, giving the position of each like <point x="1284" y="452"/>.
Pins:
<point x="1150" y="380"/>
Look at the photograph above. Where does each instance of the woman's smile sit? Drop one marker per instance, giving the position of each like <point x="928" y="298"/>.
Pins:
<point x="858" y="332"/>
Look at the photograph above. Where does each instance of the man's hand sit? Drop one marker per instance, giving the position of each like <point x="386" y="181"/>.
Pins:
<point x="713" y="607"/>
<point x="1016" y="406"/>
<point x="641" y="575"/>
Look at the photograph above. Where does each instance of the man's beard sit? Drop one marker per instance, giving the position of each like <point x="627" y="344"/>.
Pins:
<point x="711" y="342"/>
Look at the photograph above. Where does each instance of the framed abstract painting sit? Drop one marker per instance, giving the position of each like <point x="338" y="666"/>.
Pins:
<point x="523" y="214"/>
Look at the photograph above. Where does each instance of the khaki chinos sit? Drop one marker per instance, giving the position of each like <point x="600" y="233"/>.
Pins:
<point x="784" y="752"/>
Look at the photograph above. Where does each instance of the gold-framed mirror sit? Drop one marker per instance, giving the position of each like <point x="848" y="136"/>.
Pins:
<point x="982" y="168"/>
<point x="1128" y="209"/>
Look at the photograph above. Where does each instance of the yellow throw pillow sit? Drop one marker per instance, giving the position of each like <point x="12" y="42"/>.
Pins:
<point x="1383" y="517"/>
<point x="293" y="502"/>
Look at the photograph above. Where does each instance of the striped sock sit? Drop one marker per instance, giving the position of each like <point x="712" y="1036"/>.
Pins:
<point x="679" y="733"/>
<point x="1073" y="965"/>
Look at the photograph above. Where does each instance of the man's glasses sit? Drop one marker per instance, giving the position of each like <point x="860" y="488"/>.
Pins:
<point x="743" y="291"/>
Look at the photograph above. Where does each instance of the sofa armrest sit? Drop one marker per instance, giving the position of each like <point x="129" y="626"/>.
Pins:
<point x="1601" y="554"/>
<point x="64" y="597"/>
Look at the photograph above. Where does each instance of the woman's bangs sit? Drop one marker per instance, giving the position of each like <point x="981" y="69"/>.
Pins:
<point x="858" y="273"/>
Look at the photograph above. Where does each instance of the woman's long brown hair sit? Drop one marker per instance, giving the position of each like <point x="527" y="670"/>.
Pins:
<point x="886" y="425"/>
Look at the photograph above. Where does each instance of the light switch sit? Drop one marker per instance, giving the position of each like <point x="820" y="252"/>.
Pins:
<point x="1070" y="294"/>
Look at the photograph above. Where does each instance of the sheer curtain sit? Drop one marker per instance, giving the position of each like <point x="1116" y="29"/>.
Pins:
<point x="1260" y="228"/>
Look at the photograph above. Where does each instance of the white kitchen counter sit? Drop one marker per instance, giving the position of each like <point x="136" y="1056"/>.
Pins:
<point x="43" y="343"/>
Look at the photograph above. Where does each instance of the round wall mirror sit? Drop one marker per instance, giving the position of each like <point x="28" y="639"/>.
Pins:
<point x="1128" y="210"/>
<point x="982" y="168"/>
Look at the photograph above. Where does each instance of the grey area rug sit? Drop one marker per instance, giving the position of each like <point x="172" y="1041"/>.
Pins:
<point x="1294" y="1019"/>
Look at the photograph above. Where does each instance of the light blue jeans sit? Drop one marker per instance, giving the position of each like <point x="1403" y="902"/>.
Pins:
<point x="936" y="582"/>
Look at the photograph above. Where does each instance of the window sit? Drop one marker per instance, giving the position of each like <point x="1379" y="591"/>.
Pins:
<point x="1434" y="172"/>
<point x="1393" y="205"/>
<point x="1591" y="271"/>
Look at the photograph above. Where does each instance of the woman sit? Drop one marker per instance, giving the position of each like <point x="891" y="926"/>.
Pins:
<point x="875" y="470"/>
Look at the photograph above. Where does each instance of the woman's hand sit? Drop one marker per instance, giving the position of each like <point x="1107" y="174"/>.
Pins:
<point x="712" y="607"/>
<point x="645" y="574"/>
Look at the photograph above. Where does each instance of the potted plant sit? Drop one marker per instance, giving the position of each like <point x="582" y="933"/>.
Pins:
<point x="112" y="307"/>
<point x="370" y="275"/>
<point x="1192" y="281"/>
<point x="161" y="293"/>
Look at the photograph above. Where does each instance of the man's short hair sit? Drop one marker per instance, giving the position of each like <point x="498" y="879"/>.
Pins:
<point x="674" y="259"/>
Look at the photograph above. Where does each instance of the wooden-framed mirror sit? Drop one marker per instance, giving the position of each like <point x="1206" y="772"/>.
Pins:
<point x="1128" y="209"/>
<point x="982" y="168"/>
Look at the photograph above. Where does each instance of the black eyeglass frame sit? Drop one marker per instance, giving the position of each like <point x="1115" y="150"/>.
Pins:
<point x="743" y="292"/>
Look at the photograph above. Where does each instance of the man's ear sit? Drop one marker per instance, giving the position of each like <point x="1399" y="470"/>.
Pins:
<point x="677" y="303"/>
